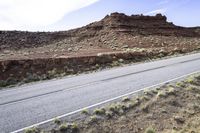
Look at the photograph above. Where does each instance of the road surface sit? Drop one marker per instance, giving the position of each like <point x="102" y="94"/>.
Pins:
<point x="33" y="103"/>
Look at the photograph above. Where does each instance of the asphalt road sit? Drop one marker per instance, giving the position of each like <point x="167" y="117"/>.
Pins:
<point x="29" y="104"/>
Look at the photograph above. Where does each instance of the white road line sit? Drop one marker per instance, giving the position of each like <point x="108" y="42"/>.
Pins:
<point x="103" y="102"/>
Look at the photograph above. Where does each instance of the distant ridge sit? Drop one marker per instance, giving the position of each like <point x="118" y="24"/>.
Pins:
<point x="116" y="25"/>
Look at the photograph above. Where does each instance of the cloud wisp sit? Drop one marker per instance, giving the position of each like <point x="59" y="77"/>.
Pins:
<point x="21" y="14"/>
<point x="163" y="10"/>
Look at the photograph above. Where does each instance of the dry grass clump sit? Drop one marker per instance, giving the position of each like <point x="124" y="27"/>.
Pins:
<point x="115" y="108"/>
<point x="109" y="114"/>
<point x="144" y="98"/>
<point x="126" y="99"/>
<point x="93" y="118"/>
<point x="171" y="91"/>
<point x="161" y="94"/>
<point x="194" y="80"/>
<point x="85" y="111"/>
<point x="180" y="84"/>
<point x="57" y="121"/>
<point x="63" y="127"/>
<point x="154" y="91"/>
<point x="100" y="111"/>
<point x="68" y="127"/>
<point x="32" y="130"/>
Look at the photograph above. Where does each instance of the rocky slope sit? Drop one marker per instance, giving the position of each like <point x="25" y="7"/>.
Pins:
<point x="114" y="28"/>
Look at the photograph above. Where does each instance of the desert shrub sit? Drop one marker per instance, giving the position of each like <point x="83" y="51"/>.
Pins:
<point x="171" y="91"/>
<point x="99" y="111"/>
<point x="85" y="111"/>
<point x="180" y="84"/>
<point x="125" y="99"/>
<point x="115" y="108"/>
<point x="93" y="118"/>
<point x="144" y="98"/>
<point x="74" y="127"/>
<point x="191" y="80"/>
<point x="161" y="94"/>
<point x="57" y="121"/>
<point x="150" y="130"/>
<point x="124" y="107"/>
<point x="109" y="114"/>
<point x="32" y="130"/>
<point x="135" y="103"/>
<point x="154" y="91"/>
<point x="63" y="127"/>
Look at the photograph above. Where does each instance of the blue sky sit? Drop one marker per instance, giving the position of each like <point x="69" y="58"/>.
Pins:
<point x="55" y="15"/>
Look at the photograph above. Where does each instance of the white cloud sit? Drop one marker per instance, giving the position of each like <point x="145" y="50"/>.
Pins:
<point x="19" y="14"/>
<point x="156" y="11"/>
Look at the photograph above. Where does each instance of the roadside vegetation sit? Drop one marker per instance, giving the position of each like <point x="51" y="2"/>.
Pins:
<point x="171" y="108"/>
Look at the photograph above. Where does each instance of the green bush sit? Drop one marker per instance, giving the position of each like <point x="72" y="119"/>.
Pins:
<point x="150" y="130"/>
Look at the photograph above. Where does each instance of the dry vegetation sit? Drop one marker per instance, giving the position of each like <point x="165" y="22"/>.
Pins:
<point x="172" y="108"/>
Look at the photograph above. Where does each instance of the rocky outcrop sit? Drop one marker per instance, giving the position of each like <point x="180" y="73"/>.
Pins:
<point x="115" y="24"/>
<point x="141" y="25"/>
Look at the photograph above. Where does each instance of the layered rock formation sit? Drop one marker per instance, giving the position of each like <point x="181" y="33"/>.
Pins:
<point x="115" y="25"/>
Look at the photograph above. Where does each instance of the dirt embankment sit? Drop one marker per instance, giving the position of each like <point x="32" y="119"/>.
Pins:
<point x="29" y="70"/>
<point x="172" y="108"/>
<point x="14" y="71"/>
